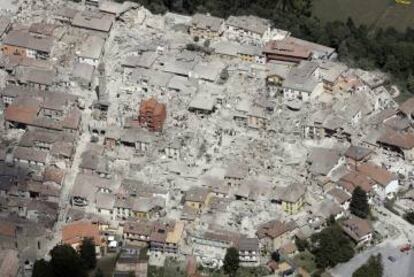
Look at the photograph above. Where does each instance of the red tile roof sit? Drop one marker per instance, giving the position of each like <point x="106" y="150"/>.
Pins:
<point x="75" y="232"/>
<point x="380" y="175"/>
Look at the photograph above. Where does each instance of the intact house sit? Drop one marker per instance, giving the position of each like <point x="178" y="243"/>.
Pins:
<point x="138" y="231"/>
<point x="37" y="78"/>
<point x="86" y="187"/>
<point x="301" y="82"/>
<point x="166" y="237"/>
<point x="275" y="233"/>
<point x="387" y="185"/>
<point x="196" y="198"/>
<point x="74" y="233"/>
<point x="358" y="229"/>
<point x="206" y="27"/>
<point x="91" y="50"/>
<point x="27" y="155"/>
<point x="352" y="179"/>
<point x="398" y="143"/>
<point x="94" y="163"/>
<point x="249" y="251"/>
<point x="25" y="44"/>
<point x="286" y="50"/>
<point x="246" y="28"/>
<point x="292" y="198"/>
<point x="162" y="236"/>
<point x="105" y="204"/>
<point x="340" y="196"/>
<point x="356" y="155"/>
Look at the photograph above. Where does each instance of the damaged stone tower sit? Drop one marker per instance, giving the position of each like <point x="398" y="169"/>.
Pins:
<point x="152" y="114"/>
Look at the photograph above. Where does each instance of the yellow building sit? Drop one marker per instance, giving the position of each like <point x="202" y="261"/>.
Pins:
<point x="196" y="198"/>
<point x="146" y="207"/>
<point x="293" y="198"/>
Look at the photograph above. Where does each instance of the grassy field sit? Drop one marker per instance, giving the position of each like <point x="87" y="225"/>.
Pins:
<point x="375" y="13"/>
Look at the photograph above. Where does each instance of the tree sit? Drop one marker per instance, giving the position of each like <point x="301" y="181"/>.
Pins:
<point x="331" y="246"/>
<point x="87" y="253"/>
<point x="42" y="268"/>
<point x="301" y="244"/>
<point x="99" y="273"/>
<point x="409" y="216"/>
<point x="372" y="268"/>
<point x="410" y="83"/>
<point x="231" y="261"/>
<point x="275" y="256"/>
<point x="359" y="203"/>
<point x="66" y="262"/>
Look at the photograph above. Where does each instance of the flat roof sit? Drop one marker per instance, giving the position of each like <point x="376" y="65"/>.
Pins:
<point x="94" y="21"/>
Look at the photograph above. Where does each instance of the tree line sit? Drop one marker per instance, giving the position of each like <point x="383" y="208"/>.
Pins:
<point x="358" y="46"/>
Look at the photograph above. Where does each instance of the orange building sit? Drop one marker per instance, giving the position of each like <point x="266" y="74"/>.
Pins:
<point x="75" y="232"/>
<point x="152" y="114"/>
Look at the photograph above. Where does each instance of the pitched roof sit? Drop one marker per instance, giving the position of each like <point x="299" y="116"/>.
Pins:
<point x="24" y="39"/>
<point x="250" y="23"/>
<point x="401" y="140"/>
<point x="357" y="153"/>
<point x="42" y="28"/>
<point x="7" y="229"/>
<point x="407" y="107"/>
<point x="380" y="175"/>
<point x="30" y="154"/>
<point x="357" y="227"/>
<point x="23" y="111"/>
<point x="35" y="75"/>
<point x="75" y="232"/>
<point x="353" y="179"/>
<point x="203" y="21"/>
<point x="274" y="228"/>
<point x="292" y="193"/>
<point x="340" y="195"/>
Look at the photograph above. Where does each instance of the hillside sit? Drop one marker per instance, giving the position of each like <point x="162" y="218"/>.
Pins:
<point x="379" y="13"/>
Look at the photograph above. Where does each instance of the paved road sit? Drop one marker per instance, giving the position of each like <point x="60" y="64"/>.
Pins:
<point x="404" y="264"/>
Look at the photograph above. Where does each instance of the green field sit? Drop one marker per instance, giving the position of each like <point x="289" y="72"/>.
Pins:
<point x="374" y="13"/>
